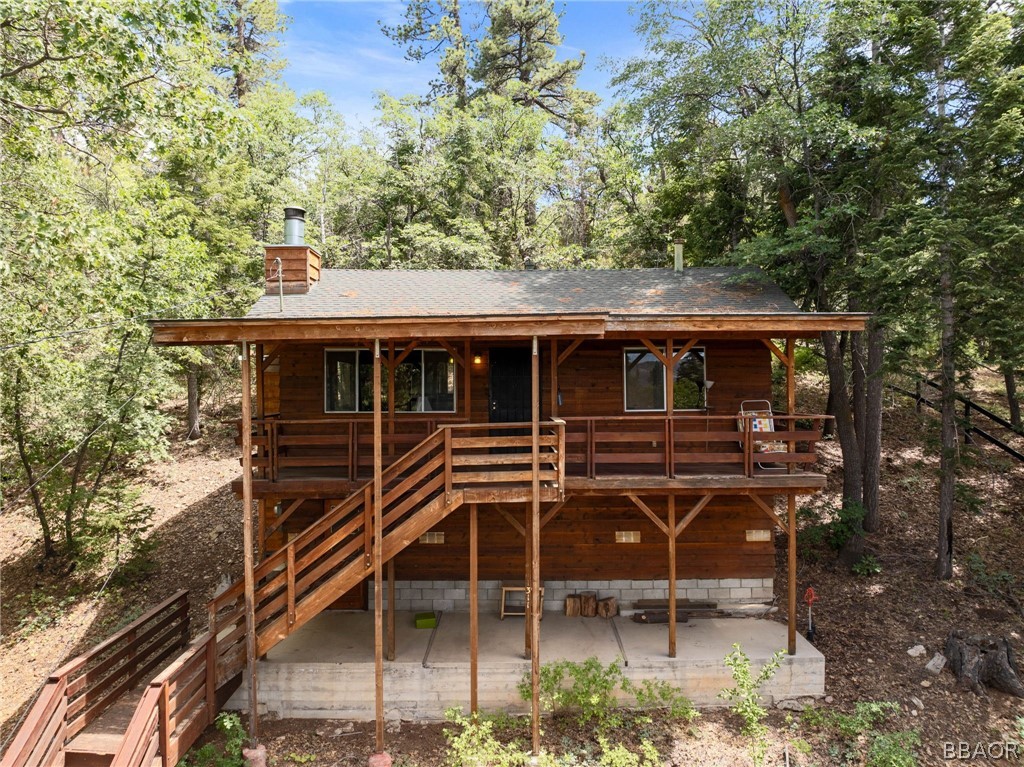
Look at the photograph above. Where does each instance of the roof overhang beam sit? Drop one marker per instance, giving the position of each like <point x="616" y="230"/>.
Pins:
<point x="794" y="325"/>
<point x="262" y="330"/>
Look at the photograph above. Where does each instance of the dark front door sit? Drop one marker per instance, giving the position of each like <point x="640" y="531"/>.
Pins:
<point x="510" y="385"/>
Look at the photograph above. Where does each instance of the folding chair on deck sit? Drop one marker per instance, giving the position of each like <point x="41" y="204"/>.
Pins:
<point x="759" y="412"/>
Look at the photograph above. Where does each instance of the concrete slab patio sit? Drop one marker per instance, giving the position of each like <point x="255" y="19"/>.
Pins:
<point x="325" y="670"/>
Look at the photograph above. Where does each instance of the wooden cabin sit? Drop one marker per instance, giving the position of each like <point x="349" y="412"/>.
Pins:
<point x="445" y="432"/>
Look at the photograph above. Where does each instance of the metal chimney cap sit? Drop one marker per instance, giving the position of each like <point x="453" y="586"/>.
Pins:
<point x="295" y="212"/>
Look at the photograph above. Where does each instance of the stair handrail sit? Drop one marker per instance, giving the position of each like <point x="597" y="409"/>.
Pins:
<point x="141" y="741"/>
<point x="326" y="552"/>
<point x="89" y="683"/>
<point x="278" y="559"/>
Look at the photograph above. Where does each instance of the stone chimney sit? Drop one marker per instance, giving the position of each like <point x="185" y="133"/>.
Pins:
<point x="292" y="267"/>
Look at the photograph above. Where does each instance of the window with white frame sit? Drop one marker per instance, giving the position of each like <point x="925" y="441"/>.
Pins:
<point x="644" y="380"/>
<point x="424" y="382"/>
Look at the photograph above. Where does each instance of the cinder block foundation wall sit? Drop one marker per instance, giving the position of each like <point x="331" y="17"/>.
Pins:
<point x="453" y="596"/>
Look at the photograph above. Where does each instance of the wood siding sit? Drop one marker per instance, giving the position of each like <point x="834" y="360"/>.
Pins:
<point x="590" y="380"/>
<point x="580" y="542"/>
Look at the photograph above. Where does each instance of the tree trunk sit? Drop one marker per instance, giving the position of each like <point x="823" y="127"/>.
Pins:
<point x="26" y="464"/>
<point x="241" y="81"/>
<point x="829" y="428"/>
<point x="853" y="476"/>
<point x="193" y="425"/>
<point x="1010" y="379"/>
<point x="859" y="377"/>
<point x="949" y="460"/>
<point x="980" y="662"/>
<point x="871" y="428"/>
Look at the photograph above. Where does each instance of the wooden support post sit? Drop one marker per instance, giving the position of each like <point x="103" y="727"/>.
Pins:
<point x="671" y="576"/>
<point x="210" y="679"/>
<point x="474" y="610"/>
<point x="391" y="401"/>
<point x="391" y="609"/>
<point x="554" y="378"/>
<point x="527" y="543"/>
<point x="261" y="528"/>
<point x="791" y="398"/>
<point x="247" y="543"/>
<point x="536" y="604"/>
<point x="378" y="568"/>
<point x="467" y="380"/>
<point x="670" y="409"/>
<point x="164" y="728"/>
<point x="260" y="383"/>
<point x="791" y="514"/>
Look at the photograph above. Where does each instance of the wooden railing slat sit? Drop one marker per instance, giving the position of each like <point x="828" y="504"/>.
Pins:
<point x="77" y="663"/>
<point x="96" y="675"/>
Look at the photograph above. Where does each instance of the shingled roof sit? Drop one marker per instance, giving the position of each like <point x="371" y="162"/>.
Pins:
<point x="365" y="293"/>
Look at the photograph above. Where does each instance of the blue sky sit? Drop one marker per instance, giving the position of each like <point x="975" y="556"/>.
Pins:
<point x="336" y="46"/>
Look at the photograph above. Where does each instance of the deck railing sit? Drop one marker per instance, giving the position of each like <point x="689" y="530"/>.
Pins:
<point x="672" y="445"/>
<point x="83" y="688"/>
<point x="340" y="447"/>
<point x="597" y="445"/>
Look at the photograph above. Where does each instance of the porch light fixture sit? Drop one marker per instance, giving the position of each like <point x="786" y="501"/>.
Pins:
<point x="708" y="385"/>
<point x="477" y="359"/>
<point x="627" y="536"/>
<point x="759" y="536"/>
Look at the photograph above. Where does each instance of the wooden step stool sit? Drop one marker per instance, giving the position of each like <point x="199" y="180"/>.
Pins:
<point x="511" y="587"/>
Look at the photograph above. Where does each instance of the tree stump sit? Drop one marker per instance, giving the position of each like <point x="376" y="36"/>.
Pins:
<point x="984" y="661"/>
<point x="588" y="604"/>
<point x="572" y="605"/>
<point x="608" y="607"/>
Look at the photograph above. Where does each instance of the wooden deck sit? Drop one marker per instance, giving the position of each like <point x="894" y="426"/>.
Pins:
<point x="330" y="458"/>
<point x="766" y="482"/>
<point x="319" y="484"/>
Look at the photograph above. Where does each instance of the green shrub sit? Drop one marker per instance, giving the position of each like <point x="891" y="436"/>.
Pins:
<point x="472" y="743"/>
<point x="830" y="526"/>
<point x="859" y="728"/>
<point x="745" y="697"/>
<point x="867" y="566"/>
<point x="620" y="756"/>
<point x="866" y="716"/>
<point x="588" y="690"/>
<point x="893" y="749"/>
<point x="657" y="693"/>
<point x="228" y="755"/>
<point x="993" y="582"/>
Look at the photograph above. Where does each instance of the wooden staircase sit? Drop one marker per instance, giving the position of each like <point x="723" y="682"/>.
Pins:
<point x="456" y="464"/>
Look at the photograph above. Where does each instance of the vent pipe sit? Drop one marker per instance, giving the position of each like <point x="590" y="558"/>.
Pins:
<point x="677" y="247"/>
<point x="294" y="226"/>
